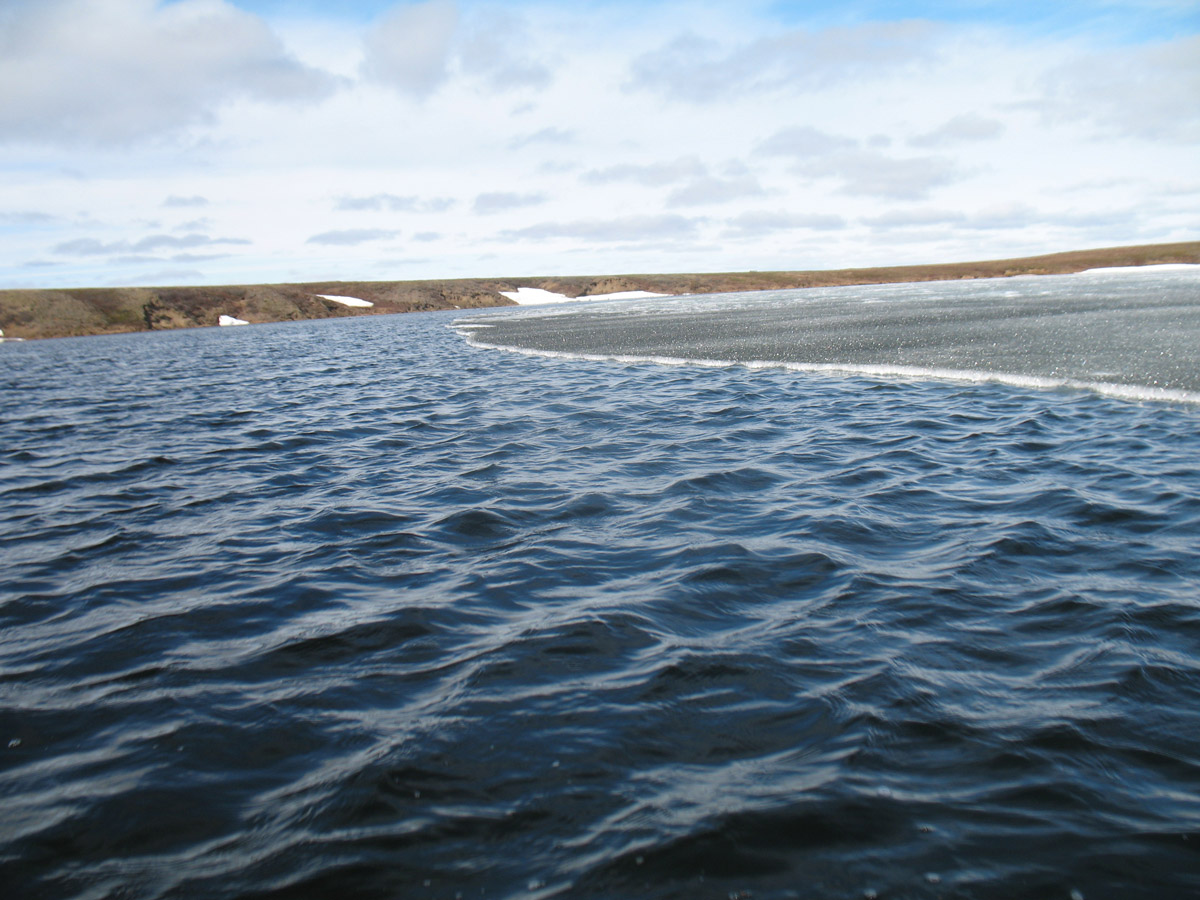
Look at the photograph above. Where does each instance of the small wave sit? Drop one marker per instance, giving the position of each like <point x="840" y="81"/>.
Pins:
<point x="344" y="607"/>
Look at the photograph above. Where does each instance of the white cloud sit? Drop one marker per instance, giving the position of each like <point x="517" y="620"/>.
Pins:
<point x="626" y="228"/>
<point x="111" y="71"/>
<point x="701" y="69"/>
<point x="649" y="175"/>
<point x="1149" y="92"/>
<point x="869" y="173"/>
<point x="914" y="218"/>
<point x="350" y="237"/>
<point x="709" y="189"/>
<point x="503" y="201"/>
<point x="27" y="218"/>
<point x="409" y="49"/>
<point x="160" y="277"/>
<point x="548" y="135"/>
<point x="194" y="225"/>
<point x="860" y="172"/>
<point x="393" y="203"/>
<point x="176" y="202"/>
<point x="757" y="223"/>
<point x="93" y="247"/>
<point x="804" y="141"/>
<point x="496" y="50"/>
<point x="1007" y="217"/>
<point x="966" y="127"/>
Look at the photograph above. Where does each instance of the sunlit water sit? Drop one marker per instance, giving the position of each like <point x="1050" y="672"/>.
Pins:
<point x="351" y="608"/>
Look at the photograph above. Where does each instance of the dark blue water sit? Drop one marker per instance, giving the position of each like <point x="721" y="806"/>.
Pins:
<point x="349" y="608"/>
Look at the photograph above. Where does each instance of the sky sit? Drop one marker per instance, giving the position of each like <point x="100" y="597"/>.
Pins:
<point x="145" y="142"/>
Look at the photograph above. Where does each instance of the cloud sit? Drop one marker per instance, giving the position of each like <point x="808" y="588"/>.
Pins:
<point x="393" y="203"/>
<point x="862" y="172"/>
<point x="1017" y="215"/>
<point x="90" y="247"/>
<point x="868" y="173"/>
<point x="966" y="127"/>
<point x="913" y="218"/>
<point x="762" y="222"/>
<point x="501" y="201"/>
<point x="1099" y="184"/>
<point x="1147" y="92"/>
<point x="651" y="175"/>
<point x="709" y="190"/>
<point x="409" y="49"/>
<point x="114" y="71"/>
<point x="149" y="244"/>
<point x="197" y="257"/>
<point x="628" y="228"/>
<point x="493" y="52"/>
<point x="417" y="47"/>
<point x="351" y="237"/>
<point x="1014" y="216"/>
<point x="174" y="202"/>
<point x="549" y="135"/>
<point x="164" y="277"/>
<point x="804" y="141"/>
<point x="169" y="241"/>
<point x="27" y="217"/>
<point x="702" y="70"/>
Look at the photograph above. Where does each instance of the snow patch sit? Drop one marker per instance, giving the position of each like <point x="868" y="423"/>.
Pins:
<point x="527" y="296"/>
<point x="346" y="301"/>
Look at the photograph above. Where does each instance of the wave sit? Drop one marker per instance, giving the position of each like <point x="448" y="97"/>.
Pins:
<point x="345" y="608"/>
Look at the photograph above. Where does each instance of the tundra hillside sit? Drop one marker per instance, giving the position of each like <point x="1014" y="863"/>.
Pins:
<point x="86" y="311"/>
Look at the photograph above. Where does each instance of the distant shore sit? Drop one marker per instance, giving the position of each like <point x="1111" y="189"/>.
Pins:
<point x="90" y="311"/>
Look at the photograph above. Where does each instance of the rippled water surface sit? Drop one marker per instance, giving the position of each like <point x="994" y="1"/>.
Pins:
<point x="350" y="608"/>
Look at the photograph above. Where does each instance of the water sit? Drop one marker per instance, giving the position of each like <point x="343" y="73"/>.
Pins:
<point x="352" y="608"/>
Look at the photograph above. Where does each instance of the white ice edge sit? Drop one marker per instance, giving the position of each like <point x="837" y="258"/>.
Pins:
<point x="920" y="373"/>
<point x="346" y="301"/>
<point x="1135" y="270"/>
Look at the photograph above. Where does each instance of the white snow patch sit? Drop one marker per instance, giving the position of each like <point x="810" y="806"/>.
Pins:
<point x="530" y="296"/>
<point x="527" y="296"/>
<point x="346" y="301"/>
<point x="230" y="320"/>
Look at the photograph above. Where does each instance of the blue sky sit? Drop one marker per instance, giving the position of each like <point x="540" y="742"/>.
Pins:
<point x="1144" y="17"/>
<point x="1122" y="20"/>
<point x="204" y="141"/>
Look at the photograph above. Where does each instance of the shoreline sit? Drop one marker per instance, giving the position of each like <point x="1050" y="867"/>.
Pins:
<point x="80" y="312"/>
